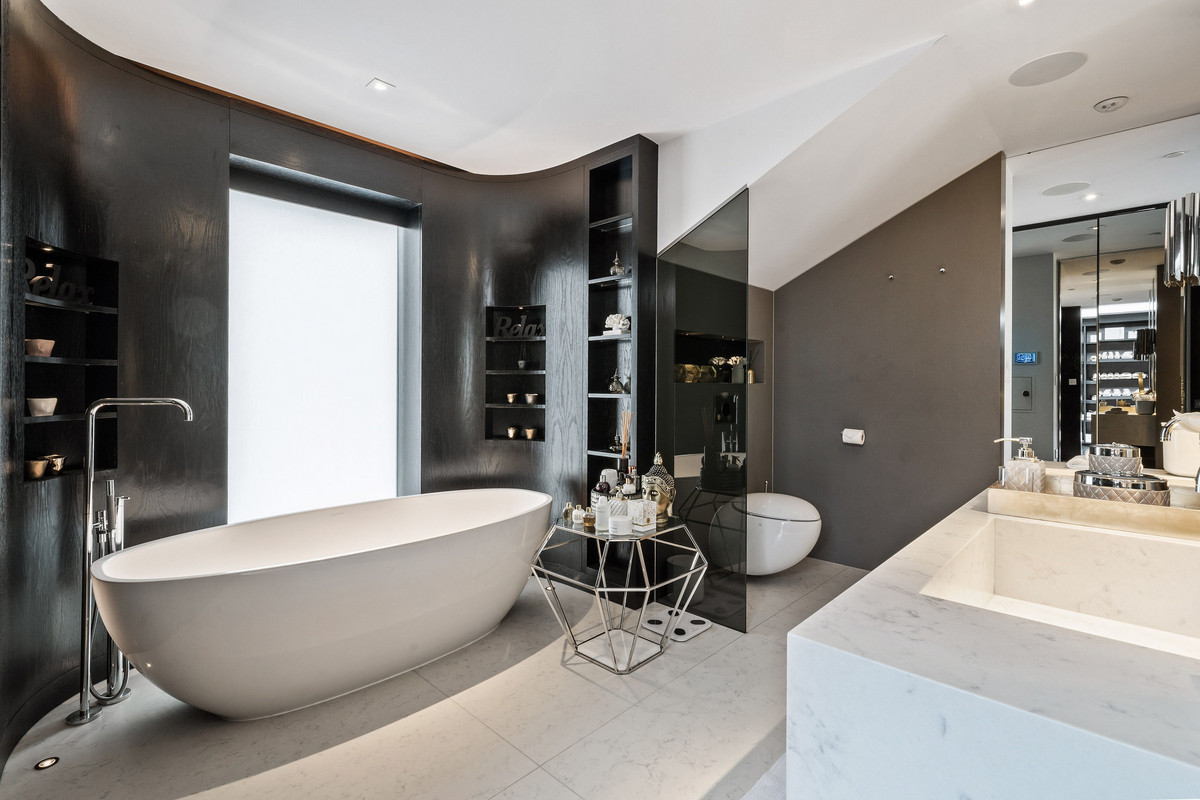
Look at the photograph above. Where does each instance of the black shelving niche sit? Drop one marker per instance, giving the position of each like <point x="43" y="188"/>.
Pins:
<point x="515" y="365"/>
<point x="73" y="300"/>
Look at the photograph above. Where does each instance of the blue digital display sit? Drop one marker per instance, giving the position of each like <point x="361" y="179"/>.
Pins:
<point x="1025" y="358"/>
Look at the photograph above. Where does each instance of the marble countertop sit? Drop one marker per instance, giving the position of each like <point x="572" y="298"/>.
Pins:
<point x="1134" y="695"/>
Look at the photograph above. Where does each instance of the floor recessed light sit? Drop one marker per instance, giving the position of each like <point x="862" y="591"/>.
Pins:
<point x="1111" y="104"/>
<point x="379" y="85"/>
<point x="1066" y="188"/>
<point x="1047" y="68"/>
<point x="46" y="763"/>
<point x="1175" y="154"/>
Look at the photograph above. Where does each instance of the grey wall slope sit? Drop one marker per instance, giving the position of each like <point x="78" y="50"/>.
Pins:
<point x="916" y="361"/>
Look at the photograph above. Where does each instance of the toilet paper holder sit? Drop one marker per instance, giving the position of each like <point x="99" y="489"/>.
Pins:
<point x="854" y="436"/>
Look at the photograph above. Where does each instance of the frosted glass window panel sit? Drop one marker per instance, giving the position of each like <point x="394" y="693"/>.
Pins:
<point x="312" y="358"/>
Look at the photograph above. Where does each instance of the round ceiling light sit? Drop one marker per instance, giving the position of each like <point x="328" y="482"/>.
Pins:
<point x="1047" y="68"/>
<point x="1174" y="154"/>
<point x="1066" y="188"/>
<point x="1111" y="104"/>
<point x="1117" y="261"/>
<point x="1091" y="197"/>
<point x="1080" y="237"/>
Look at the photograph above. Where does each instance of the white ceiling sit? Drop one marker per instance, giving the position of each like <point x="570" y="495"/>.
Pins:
<point x="520" y="86"/>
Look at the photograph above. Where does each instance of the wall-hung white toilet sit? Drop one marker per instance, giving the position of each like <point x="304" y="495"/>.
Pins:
<point x="780" y="531"/>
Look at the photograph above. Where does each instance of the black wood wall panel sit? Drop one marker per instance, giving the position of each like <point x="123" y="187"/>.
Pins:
<point x="502" y="243"/>
<point x="103" y="159"/>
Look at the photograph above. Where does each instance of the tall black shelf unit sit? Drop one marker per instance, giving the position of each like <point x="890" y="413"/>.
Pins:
<point x="622" y="212"/>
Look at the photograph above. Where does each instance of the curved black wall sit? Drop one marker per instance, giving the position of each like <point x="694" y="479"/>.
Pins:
<point x="104" y="158"/>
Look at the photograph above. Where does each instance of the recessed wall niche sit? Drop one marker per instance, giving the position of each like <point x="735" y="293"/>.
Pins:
<point x="70" y="356"/>
<point x="515" y="373"/>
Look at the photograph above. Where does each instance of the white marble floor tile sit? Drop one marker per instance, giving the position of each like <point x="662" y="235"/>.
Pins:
<point x="529" y="628"/>
<point x="436" y="754"/>
<point x="710" y="733"/>
<point x="537" y="785"/>
<point x="767" y="595"/>
<point x="776" y="628"/>
<point x="544" y="704"/>
<point x="154" y="746"/>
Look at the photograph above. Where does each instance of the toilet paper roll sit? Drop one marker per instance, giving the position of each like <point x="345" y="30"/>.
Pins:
<point x="853" y="436"/>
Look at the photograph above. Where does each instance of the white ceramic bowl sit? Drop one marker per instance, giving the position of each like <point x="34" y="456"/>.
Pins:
<point x="42" y="406"/>
<point x="39" y="347"/>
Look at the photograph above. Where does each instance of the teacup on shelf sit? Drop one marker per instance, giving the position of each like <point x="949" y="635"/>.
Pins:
<point x="531" y="398"/>
<point x="530" y="433"/>
<point x="512" y="431"/>
<point x="55" y="463"/>
<point x="35" y="468"/>
<point x="512" y="397"/>
<point x="42" y="406"/>
<point x="39" y="347"/>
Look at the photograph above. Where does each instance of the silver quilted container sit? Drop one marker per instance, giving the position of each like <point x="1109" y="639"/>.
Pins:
<point x="1115" y="459"/>
<point x="1143" y="489"/>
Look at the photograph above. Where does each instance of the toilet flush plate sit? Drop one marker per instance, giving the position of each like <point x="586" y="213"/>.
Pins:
<point x="680" y="625"/>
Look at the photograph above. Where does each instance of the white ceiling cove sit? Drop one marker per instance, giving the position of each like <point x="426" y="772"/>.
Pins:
<point x="851" y="110"/>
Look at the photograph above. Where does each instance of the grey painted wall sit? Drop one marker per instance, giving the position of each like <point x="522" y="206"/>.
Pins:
<point x="1035" y="318"/>
<point x="915" y="360"/>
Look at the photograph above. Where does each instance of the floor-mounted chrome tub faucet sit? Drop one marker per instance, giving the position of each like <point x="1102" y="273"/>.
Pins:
<point x="106" y="525"/>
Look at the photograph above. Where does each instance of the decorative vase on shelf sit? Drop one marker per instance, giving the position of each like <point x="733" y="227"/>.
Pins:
<point x="616" y="269"/>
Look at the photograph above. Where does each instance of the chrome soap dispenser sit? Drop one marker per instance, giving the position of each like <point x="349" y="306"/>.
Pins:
<point x="1024" y="472"/>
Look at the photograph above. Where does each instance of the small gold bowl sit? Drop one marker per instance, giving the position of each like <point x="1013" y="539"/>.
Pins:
<point x="530" y="433"/>
<point x="35" y="468"/>
<point x="56" y="463"/>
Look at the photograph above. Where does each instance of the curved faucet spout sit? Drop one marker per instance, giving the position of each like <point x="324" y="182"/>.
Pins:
<point x="182" y="405"/>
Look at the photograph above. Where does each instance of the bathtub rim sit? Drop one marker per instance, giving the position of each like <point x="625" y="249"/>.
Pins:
<point x="99" y="573"/>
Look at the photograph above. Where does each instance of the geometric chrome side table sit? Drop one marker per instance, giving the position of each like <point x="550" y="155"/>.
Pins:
<point x="622" y="644"/>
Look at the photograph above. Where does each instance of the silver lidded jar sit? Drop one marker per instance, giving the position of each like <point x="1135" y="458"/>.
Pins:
<point x="1115" y="459"/>
<point x="1143" y="489"/>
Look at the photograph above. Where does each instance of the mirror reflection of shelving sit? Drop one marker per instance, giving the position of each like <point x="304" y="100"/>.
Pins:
<point x="515" y="373"/>
<point x="70" y="327"/>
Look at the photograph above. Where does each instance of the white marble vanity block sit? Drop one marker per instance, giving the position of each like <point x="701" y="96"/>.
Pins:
<point x="895" y="693"/>
<point x="858" y="729"/>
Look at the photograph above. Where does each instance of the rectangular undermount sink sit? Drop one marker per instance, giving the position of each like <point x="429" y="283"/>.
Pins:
<point x="1132" y="587"/>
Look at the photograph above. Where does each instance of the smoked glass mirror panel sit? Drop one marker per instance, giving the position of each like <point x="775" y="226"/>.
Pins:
<point x="704" y="411"/>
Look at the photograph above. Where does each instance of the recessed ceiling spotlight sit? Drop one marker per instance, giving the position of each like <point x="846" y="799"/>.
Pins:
<point x="1097" y="227"/>
<point x="1024" y="2"/>
<point x="1090" y="197"/>
<point x="51" y="249"/>
<point x="1117" y="261"/>
<point x="1176" y="154"/>
<point x="1111" y="104"/>
<point x="379" y="85"/>
<point x="1117" y="299"/>
<point x="46" y="763"/>
<point x="1080" y="237"/>
<point x="1047" y="68"/>
<point x="1066" y="188"/>
<point x="1093" y="272"/>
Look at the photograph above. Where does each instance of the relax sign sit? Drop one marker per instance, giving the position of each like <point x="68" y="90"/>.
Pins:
<point x="505" y="328"/>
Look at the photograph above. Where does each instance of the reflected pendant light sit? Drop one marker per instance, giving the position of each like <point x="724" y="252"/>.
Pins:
<point x="1182" y="234"/>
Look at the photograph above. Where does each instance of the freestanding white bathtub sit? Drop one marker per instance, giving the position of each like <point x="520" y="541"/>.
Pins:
<point x="259" y="618"/>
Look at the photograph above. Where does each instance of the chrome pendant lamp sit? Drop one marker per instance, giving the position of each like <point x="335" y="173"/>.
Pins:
<point x="1183" y="242"/>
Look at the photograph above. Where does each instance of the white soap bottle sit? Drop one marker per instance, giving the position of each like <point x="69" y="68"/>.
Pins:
<point x="602" y="511"/>
<point x="1024" y="472"/>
